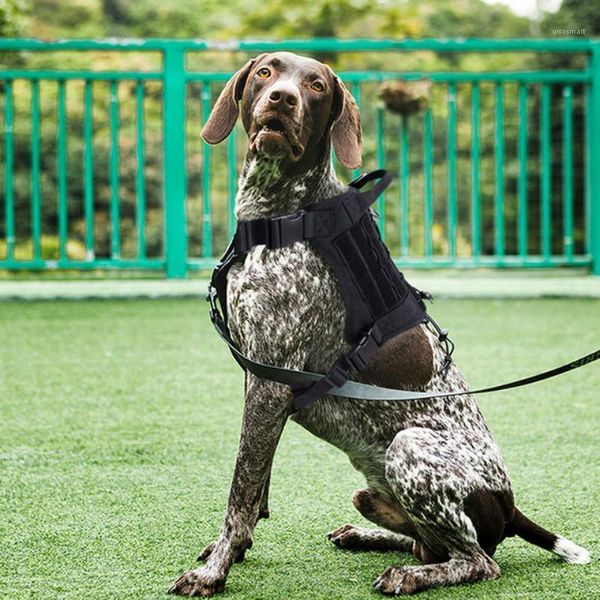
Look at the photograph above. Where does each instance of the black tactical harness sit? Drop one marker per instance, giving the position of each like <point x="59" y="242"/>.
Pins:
<point x="379" y="302"/>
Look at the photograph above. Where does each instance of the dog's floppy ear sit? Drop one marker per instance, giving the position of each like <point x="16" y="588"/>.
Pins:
<point x="225" y="111"/>
<point x="346" y="133"/>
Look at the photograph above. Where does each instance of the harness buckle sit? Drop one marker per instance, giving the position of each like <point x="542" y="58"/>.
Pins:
<point x="337" y="376"/>
<point x="358" y="358"/>
<point x="211" y="298"/>
<point x="212" y="294"/>
<point x="286" y="230"/>
<point x="243" y="237"/>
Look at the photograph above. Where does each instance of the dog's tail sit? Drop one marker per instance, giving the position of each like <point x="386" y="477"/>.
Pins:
<point x="535" y="534"/>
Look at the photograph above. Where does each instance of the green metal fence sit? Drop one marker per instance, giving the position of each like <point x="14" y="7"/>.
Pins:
<point x="501" y="169"/>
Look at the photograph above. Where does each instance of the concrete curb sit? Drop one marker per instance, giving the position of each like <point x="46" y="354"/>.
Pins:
<point x="441" y="286"/>
<point x="102" y="289"/>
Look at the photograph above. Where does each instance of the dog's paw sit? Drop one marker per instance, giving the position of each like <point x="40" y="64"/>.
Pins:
<point x="346" y="536"/>
<point x="397" y="581"/>
<point x="198" y="582"/>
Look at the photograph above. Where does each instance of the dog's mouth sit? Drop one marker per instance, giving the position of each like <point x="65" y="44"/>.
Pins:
<point x="274" y="125"/>
<point x="277" y="138"/>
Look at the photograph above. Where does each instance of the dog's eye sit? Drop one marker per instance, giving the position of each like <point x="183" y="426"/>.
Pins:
<point x="263" y="73"/>
<point x="317" y="86"/>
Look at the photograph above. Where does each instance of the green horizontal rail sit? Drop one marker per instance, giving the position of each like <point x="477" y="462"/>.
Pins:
<point x="349" y="76"/>
<point x="436" y="76"/>
<point x="98" y="263"/>
<point x="439" y="262"/>
<point x="85" y="75"/>
<point x="202" y="264"/>
<point x="319" y="44"/>
<point x="494" y="261"/>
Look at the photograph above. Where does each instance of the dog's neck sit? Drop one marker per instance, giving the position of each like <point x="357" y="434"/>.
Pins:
<point x="267" y="189"/>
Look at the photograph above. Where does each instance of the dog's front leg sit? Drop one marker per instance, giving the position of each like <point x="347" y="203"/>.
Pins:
<point x="266" y="409"/>
<point x="264" y="512"/>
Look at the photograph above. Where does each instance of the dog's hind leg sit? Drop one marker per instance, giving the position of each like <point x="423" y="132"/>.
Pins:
<point x="351" y="537"/>
<point x="409" y="580"/>
<point x="382" y="511"/>
<point x="432" y="473"/>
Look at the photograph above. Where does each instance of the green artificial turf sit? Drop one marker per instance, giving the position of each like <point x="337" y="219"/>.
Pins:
<point x="119" y="423"/>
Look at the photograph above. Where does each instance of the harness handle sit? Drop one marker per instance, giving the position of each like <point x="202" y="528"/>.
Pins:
<point x="371" y="195"/>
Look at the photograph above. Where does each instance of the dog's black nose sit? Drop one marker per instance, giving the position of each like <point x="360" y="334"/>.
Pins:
<point x="284" y="96"/>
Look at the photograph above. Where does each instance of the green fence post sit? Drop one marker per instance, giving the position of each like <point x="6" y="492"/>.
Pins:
<point x="451" y="157"/>
<point x="9" y="217"/>
<point x="594" y="158"/>
<point x="174" y="180"/>
<point x="475" y="185"/>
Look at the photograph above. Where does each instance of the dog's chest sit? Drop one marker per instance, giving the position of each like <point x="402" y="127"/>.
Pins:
<point x="285" y="305"/>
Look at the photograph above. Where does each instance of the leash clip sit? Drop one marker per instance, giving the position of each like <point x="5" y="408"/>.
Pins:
<point x="211" y="298"/>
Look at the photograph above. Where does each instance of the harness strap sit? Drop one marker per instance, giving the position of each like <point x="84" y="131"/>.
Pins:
<point x="326" y="219"/>
<point x="282" y="231"/>
<point x="342" y="370"/>
<point x="356" y="360"/>
<point x="217" y="288"/>
<point x="279" y="232"/>
<point x="362" y="391"/>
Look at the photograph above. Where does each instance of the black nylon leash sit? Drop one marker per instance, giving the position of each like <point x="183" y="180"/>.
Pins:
<point x="363" y="391"/>
<point x="324" y="226"/>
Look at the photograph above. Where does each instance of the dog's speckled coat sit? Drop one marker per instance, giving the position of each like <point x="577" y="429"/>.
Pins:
<point x="436" y="481"/>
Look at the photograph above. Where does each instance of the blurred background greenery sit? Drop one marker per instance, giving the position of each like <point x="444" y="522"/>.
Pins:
<point x="213" y="19"/>
<point x="280" y="19"/>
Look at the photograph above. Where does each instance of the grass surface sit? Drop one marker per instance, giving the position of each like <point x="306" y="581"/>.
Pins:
<point x="119" y="424"/>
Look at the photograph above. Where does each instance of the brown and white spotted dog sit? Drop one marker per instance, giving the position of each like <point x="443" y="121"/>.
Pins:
<point x="436" y="482"/>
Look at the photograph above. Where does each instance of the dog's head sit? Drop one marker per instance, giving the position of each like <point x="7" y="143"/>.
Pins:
<point x="292" y="107"/>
